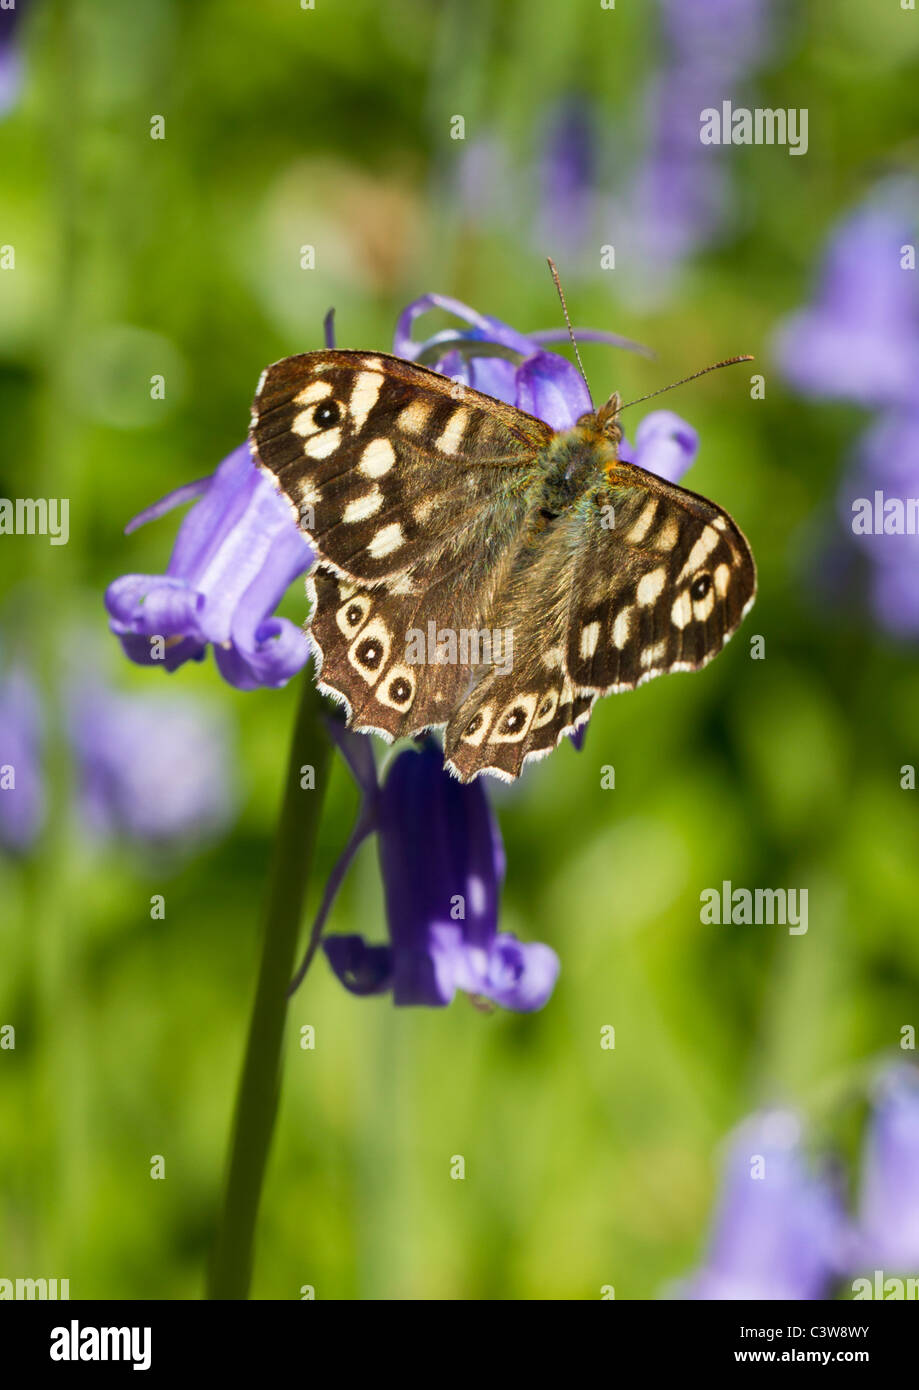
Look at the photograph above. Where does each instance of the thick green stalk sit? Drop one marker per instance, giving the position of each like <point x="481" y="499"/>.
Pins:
<point x="260" y="1081"/>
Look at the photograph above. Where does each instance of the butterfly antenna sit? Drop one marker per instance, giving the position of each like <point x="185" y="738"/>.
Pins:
<point x="728" y="362"/>
<point x="574" y="341"/>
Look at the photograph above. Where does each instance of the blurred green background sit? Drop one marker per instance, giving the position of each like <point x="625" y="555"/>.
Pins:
<point x="134" y="256"/>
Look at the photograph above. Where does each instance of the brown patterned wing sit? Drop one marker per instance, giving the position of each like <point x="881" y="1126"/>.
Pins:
<point x="367" y="642"/>
<point x="391" y="468"/>
<point x="661" y="589"/>
<point x="637" y="579"/>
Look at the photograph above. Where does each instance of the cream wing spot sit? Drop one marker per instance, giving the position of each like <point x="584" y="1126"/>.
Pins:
<point x="702" y="608"/>
<point x="722" y="578"/>
<point x="386" y="540"/>
<point x="323" y="444"/>
<point x="451" y="436"/>
<point x="652" y="657"/>
<point x="377" y="459"/>
<point x="681" y="612"/>
<point x="650" y="587"/>
<point x="363" y="507"/>
<point x="700" y="551"/>
<point x="413" y="417"/>
<point x="622" y="628"/>
<point x="642" y="526"/>
<point x="513" y="723"/>
<point x="590" y="636"/>
<point x="478" y="726"/>
<point x="668" y="536"/>
<point x="364" y="395"/>
<point x="315" y="391"/>
<point x="546" y="711"/>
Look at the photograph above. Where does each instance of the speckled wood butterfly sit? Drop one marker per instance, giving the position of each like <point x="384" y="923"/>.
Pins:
<point x="441" y="517"/>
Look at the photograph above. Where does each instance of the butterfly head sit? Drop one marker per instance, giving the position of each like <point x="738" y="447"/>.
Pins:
<point x="606" y="419"/>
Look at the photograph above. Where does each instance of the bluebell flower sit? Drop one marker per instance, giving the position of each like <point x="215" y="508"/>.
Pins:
<point x="22" y="793"/>
<point x="236" y="553"/>
<point x="887" y="1230"/>
<point x="778" y="1235"/>
<point x="442" y="864"/>
<point x="151" y="768"/>
<point x="859" y="339"/>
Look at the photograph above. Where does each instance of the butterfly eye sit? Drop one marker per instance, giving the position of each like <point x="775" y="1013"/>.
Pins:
<point x="326" y="414"/>
<point x="700" y="587"/>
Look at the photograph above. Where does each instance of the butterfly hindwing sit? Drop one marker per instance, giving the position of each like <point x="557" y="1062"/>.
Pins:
<point x="367" y="656"/>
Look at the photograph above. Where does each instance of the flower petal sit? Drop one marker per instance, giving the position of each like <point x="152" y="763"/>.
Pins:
<point x="492" y="329"/>
<point x="551" y="388"/>
<point x="664" y="444"/>
<point x="361" y="968"/>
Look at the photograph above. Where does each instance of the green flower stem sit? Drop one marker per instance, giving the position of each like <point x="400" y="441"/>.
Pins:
<point x="260" y="1081"/>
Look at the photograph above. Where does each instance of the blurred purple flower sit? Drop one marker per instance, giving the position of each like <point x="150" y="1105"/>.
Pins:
<point x="779" y="1229"/>
<point x="540" y="382"/>
<point x="729" y="36"/>
<point x="679" y="197"/>
<point x="153" y="769"/>
<point x="887" y="1232"/>
<point x="567" y="176"/>
<point x="10" y="57"/>
<point x="482" y="180"/>
<point x="887" y="462"/>
<point x="664" y="444"/>
<point x="442" y="864"/>
<point x="859" y="340"/>
<point x="236" y="553"/>
<point x="22" y="796"/>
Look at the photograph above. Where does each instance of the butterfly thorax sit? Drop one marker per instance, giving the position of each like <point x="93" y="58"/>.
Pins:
<point x="574" y="463"/>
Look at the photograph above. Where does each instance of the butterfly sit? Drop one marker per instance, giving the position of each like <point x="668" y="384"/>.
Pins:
<point x="441" y="517"/>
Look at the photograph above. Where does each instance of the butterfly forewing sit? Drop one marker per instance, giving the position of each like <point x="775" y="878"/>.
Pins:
<point x="387" y="463"/>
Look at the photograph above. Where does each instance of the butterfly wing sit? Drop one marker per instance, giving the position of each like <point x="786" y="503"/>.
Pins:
<point x="413" y="490"/>
<point x="388" y="464"/>
<point x="638" y="578"/>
